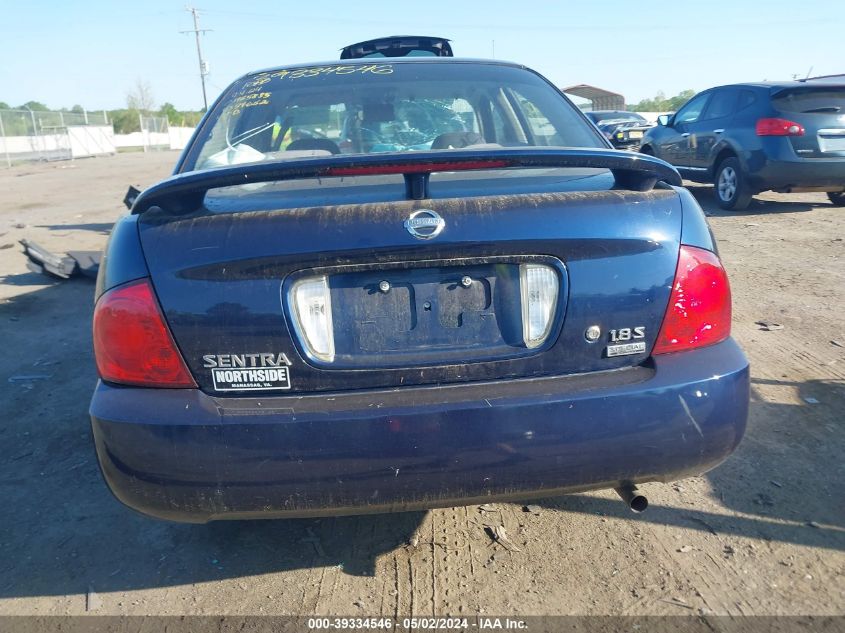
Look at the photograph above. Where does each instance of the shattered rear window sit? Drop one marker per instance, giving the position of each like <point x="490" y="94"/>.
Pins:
<point x="378" y="107"/>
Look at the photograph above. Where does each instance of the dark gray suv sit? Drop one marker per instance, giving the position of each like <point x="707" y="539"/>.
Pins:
<point x="748" y="138"/>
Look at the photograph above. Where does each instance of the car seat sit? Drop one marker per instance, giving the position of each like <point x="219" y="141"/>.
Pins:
<point x="457" y="140"/>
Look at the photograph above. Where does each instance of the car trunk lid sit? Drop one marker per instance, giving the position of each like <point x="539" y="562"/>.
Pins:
<point x="820" y="110"/>
<point x="452" y="312"/>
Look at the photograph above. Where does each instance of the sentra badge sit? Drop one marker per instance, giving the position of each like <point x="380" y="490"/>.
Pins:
<point x="248" y="372"/>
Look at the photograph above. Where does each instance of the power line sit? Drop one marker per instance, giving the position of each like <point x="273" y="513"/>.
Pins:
<point x="486" y="26"/>
<point x="203" y="64"/>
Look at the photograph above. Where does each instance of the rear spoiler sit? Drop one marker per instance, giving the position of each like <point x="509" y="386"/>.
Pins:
<point x="185" y="193"/>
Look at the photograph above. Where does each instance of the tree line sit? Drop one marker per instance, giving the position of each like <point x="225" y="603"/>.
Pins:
<point x="661" y="103"/>
<point x="125" y="120"/>
<point x="139" y="101"/>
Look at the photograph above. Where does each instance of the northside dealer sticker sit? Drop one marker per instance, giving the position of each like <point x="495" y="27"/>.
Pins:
<point x="249" y="379"/>
<point x="248" y="372"/>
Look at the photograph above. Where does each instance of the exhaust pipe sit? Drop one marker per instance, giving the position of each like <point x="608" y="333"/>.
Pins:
<point x="632" y="498"/>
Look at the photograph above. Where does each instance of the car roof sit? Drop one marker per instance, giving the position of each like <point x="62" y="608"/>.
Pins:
<point x="767" y="85"/>
<point x="826" y="79"/>
<point x="369" y="61"/>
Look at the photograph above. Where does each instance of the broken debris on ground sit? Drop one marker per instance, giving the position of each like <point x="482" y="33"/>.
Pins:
<point x="73" y="263"/>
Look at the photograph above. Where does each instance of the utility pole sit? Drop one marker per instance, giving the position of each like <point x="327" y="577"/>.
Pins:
<point x="203" y="65"/>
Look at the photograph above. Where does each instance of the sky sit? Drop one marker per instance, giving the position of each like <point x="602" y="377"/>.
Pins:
<point x="93" y="52"/>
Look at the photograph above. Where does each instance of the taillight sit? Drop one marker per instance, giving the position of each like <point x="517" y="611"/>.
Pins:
<point x="778" y="127"/>
<point x="132" y="344"/>
<point x="699" y="311"/>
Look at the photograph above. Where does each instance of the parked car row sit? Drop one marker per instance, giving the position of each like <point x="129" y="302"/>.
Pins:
<point x="625" y="130"/>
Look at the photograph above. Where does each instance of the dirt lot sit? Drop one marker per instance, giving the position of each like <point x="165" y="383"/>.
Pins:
<point x="762" y="534"/>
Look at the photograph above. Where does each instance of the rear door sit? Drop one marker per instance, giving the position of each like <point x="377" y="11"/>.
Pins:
<point x="820" y="110"/>
<point x="710" y="128"/>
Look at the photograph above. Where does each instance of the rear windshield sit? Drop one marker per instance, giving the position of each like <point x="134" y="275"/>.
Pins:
<point x="810" y="99"/>
<point x="385" y="107"/>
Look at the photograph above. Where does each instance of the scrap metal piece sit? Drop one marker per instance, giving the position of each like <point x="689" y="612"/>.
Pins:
<point x="87" y="262"/>
<point x="40" y="260"/>
<point x="43" y="261"/>
<point x="131" y="194"/>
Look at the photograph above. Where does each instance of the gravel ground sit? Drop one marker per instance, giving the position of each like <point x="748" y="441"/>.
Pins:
<point x="762" y="534"/>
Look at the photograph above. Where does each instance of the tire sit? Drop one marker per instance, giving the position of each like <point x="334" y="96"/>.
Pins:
<point x="730" y="186"/>
<point x="647" y="151"/>
<point x="837" y="198"/>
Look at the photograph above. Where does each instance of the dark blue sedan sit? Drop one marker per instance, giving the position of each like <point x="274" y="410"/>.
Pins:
<point x="403" y="284"/>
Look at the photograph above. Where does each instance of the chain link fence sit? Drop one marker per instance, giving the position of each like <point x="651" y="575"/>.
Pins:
<point x="156" y="133"/>
<point x="40" y="135"/>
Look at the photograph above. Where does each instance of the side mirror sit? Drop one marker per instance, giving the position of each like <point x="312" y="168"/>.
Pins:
<point x="664" y="119"/>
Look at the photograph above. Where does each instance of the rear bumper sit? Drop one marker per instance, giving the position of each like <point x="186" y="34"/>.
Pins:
<point x="187" y="456"/>
<point x="784" y="170"/>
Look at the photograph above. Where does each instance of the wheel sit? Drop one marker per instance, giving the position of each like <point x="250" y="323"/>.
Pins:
<point x="837" y="198"/>
<point x="647" y="151"/>
<point x="732" y="191"/>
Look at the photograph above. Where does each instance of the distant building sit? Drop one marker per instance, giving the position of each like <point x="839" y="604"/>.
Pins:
<point x="598" y="98"/>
